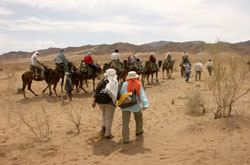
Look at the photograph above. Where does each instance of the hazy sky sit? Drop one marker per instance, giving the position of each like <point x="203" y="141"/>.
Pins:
<point x="27" y="25"/>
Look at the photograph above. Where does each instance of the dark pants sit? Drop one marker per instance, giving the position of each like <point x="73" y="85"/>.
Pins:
<point x="68" y="94"/>
<point x="196" y="75"/>
<point x="187" y="77"/>
<point x="93" y="67"/>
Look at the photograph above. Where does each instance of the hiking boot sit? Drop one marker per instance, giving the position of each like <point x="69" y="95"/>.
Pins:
<point x="109" y="136"/>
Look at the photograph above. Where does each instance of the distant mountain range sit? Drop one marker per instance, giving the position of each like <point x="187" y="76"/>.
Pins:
<point x="195" y="47"/>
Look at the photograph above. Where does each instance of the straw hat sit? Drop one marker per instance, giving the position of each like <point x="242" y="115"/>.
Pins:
<point x="132" y="74"/>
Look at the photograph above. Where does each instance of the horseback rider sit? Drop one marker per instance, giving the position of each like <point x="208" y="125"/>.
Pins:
<point x="168" y="57"/>
<point x="152" y="57"/>
<point x="116" y="58"/>
<point x="36" y="63"/>
<point x="185" y="59"/>
<point x="61" y="61"/>
<point x="89" y="61"/>
<point x="134" y="59"/>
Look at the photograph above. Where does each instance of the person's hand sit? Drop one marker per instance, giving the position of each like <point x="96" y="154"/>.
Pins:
<point x="143" y="108"/>
<point x="94" y="105"/>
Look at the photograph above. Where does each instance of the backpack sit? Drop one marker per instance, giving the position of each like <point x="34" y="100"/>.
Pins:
<point x="100" y="97"/>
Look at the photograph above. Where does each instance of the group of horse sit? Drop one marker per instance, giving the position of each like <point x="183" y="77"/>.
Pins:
<point x="53" y="76"/>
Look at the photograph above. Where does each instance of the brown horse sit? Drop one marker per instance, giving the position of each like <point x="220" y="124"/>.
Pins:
<point x="80" y="77"/>
<point x="133" y="67"/>
<point x="168" y="66"/>
<point x="148" y="70"/>
<point x="183" y="74"/>
<point x="51" y="77"/>
<point x="121" y="75"/>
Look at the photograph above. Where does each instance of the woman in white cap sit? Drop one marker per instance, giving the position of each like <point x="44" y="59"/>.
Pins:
<point x="106" y="97"/>
<point x="130" y="85"/>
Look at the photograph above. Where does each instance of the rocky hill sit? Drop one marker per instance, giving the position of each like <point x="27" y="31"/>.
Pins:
<point x="195" y="47"/>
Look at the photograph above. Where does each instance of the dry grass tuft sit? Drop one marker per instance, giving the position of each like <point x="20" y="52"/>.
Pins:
<point x="37" y="121"/>
<point x="74" y="115"/>
<point x="195" y="103"/>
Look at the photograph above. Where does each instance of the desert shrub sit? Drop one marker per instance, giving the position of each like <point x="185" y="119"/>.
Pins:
<point x="37" y="121"/>
<point x="195" y="103"/>
<point x="74" y="115"/>
<point x="227" y="83"/>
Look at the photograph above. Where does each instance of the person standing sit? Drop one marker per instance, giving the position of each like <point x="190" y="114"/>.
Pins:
<point x="210" y="66"/>
<point x="35" y="61"/>
<point x="187" y="71"/>
<point x="198" y="70"/>
<point x="130" y="85"/>
<point x="68" y="87"/>
<point x="105" y="97"/>
<point x="61" y="61"/>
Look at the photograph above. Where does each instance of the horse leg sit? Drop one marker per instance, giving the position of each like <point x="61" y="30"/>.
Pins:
<point x="81" y="83"/>
<point x="54" y="89"/>
<point x="86" y="81"/>
<point x="152" y="77"/>
<point x="45" y="89"/>
<point x="62" y="84"/>
<point x="93" y="84"/>
<point x="24" y="86"/>
<point x="156" y="74"/>
<point x="29" y="88"/>
<point x="148" y="78"/>
<point x="163" y="73"/>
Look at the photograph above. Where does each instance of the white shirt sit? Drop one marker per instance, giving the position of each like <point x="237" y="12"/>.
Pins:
<point x="210" y="63"/>
<point x="34" y="59"/>
<point x="58" y="60"/>
<point x="115" y="56"/>
<point x="198" y="67"/>
<point x="133" y="58"/>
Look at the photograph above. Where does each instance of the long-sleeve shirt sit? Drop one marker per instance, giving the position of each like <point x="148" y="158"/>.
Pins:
<point x="60" y="58"/>
<point x="143" y="98"/>
<point x="68" y="84"/>
<point x="88" y="60"/>
<point x="34" y="60"/>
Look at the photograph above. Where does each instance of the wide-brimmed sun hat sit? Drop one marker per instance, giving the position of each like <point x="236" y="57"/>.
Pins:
<point x="132" y="74"/>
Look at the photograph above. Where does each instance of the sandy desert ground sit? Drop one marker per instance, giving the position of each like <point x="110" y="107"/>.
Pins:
<point x="172" y="135"/>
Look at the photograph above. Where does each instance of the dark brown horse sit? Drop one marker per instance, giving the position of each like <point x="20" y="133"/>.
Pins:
<point x="80" y="77"/>
<point x="149" y="70"/>
<point x="51" y="77"/>
<point x="182" y="70"/>
<point x="121" y="75"/>
<point x="168" y="66"/>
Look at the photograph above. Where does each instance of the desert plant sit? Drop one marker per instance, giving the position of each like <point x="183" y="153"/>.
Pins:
<point x="38" y="123"/>
<point x="74" y="115"/>
<point x="227" y="83"/>
<point x="195" y="103"/>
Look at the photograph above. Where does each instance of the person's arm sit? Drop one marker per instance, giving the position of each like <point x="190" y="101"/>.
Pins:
<point x="91" y="60"/>
<point x="143" y="99"/>
<point x="65" y="61"/>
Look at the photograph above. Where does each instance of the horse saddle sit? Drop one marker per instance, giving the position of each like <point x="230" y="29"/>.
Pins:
<point x="117" y="65"/>
<point x="60" y="67"/>
<point x="35" y="70"/>
<point x="86" y="69"/>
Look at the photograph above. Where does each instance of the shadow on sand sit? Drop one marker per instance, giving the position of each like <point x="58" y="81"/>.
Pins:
<point x="106" y="147"/>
